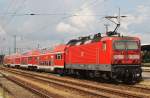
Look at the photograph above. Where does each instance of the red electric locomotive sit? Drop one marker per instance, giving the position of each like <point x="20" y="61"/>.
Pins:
<point x="114" y="57"/>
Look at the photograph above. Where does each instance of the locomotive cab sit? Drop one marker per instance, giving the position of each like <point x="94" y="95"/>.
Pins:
<point x="126" y="59"/>
<point x="126" y="52"/>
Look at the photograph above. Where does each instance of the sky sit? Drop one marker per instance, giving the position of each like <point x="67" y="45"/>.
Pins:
<point x="58" y="21"/>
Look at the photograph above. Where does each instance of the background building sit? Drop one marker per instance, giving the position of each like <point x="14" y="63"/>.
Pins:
<point x="145" y="53"/>
<point x="1" y="59"/>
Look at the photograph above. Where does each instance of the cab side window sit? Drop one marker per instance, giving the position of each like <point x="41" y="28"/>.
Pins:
<point x="58" y="56"/>
<point x="104" y="46"/>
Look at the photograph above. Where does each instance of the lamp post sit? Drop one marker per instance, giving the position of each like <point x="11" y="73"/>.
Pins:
<point x="14" y="43"/>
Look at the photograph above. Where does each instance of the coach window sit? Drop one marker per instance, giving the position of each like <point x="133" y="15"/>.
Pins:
<point x="49" y="62"/>
<point x="104" y="46"/>
<point x="30" y="58"/>
<point x="44" y="62"/>
<point x="36" y="58"/>
<point x="58" y="56"/>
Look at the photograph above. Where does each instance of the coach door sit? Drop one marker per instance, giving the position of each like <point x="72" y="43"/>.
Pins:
<point x="104" y="52"/>
<point x="52" y="60"/>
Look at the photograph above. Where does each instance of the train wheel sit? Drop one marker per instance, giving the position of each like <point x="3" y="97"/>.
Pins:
<point x="82" y="74"/>
<point x="130" y="79"/>
<point x="91" y="74"/>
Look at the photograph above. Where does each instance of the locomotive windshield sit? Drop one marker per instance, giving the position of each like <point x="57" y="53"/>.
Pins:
<point x="122" y="45"/>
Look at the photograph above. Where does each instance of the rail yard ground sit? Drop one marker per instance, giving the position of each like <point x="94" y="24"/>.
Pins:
<point x="10" y="89"/>
<point x="22" y="84"/>
<point x="146" y="78"/>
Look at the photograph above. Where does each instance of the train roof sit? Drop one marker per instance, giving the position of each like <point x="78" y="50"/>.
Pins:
<point x="59" y="48"/>
<point x="32" y="53"/>
<point x="120" y="37"/>
<point x="97" y="38"/>
<point x="15" y="55"/>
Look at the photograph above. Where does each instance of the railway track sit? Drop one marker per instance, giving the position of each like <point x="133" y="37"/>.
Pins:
<point x="7" y="90"/>
<point x="30" y="87"/>
<point x="96" y="90"/>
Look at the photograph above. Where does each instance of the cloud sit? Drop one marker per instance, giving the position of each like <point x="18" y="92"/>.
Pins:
<point x="144" y="37"/>
<point x="135" y="24"/>
<point x="64" y="27"/>
<point x="52" y="29"/>
<point x="137" y="17"/>
<point x="2" y="31"/>
<point x="131" y="20"/>
<point x="81" y="21"/>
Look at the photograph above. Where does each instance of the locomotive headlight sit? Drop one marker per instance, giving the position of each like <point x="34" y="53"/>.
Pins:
<point x="134" y="56"/>
<point x="118" y="56"/>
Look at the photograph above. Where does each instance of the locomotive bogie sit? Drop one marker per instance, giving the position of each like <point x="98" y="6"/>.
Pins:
<point x="127" y="73"/>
